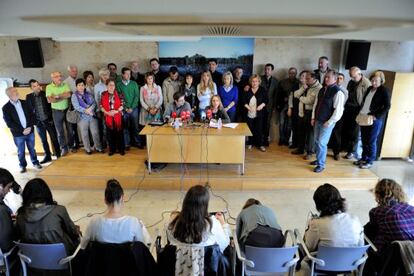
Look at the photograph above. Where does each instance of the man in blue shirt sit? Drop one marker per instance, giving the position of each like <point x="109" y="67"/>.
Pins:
<point x="20" y="121"/>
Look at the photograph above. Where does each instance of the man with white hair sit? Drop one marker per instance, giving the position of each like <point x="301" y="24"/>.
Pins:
<point x="323" y="68"/>
<point x="21" y="122"/>
<point x="357" y="88"/>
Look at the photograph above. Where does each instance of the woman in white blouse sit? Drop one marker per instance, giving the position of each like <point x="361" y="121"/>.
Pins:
<point x="334" y="226"/>
<point x="114" y="226"/>
<point x="193" y="225"/>
<point x="205" y="90"/>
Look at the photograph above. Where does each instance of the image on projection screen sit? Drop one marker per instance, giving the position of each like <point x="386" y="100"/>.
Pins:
<point x="192" y="56"/>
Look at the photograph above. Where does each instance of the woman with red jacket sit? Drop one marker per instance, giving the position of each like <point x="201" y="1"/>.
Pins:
<point x="111" y="106"/>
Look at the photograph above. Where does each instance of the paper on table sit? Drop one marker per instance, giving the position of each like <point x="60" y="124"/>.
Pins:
<point x="231" y="125"/>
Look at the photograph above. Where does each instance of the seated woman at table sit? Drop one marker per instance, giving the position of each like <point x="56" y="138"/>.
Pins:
<point x="178" y="106"/>
<point x="217" y="110"/>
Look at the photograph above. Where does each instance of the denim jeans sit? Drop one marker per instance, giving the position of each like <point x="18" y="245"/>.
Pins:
<point x="131" y="127"/>
<point x="322" y="135"/>
<point x="369" y="135"/>
<point x="59" y="118"/>
<point x="21" y="143"/>
<point x="42" y="129"/>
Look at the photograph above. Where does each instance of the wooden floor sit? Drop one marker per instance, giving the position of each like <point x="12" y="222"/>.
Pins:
<point x="274" y="169"/>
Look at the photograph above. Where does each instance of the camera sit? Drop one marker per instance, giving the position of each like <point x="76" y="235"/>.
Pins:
<point x="16" y="188"/>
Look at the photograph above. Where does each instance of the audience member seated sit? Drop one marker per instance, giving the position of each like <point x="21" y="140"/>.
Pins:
<point x="6" y="223"/>
<point x="194" y="225"/>
<point x="392" y="220"/>
<point x="334" y="226"/>
<point x="42" y="220"/>
<point x="217" y="110"/>
<point x="179" y="105"/>
<point x="85" y="104"/>
<point x="114" y="226"/>
<point x="257" y="225"/>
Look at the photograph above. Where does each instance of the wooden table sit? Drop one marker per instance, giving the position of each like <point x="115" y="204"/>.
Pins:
<point x="196" y="144"/>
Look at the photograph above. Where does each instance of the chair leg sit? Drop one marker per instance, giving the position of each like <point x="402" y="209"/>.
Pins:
<point x="23" y="267"/>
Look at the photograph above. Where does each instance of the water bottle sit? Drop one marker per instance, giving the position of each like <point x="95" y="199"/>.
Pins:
<point x="219" y="123"/>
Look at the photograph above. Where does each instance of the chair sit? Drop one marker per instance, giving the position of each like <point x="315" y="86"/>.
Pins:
<point x="5" y="264"/>
<point x="45" y="256"/>
<point x="268" y="261"/>
<point x="330" y="259"/>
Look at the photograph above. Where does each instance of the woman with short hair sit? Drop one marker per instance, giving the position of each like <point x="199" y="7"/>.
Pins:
<point x="114" y="226"/>
<point x="84" y="103"/>
<point x="229" y="95"/>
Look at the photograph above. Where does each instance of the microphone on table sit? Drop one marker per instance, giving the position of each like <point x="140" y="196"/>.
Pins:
<point x="174" y="115"/>
<point x="209" y="114"/>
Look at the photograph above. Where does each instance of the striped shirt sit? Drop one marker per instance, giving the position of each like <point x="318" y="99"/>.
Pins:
<point x="393" y="222"/>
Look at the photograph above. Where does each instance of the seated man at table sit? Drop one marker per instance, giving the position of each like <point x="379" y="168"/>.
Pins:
<point x="179" y="105"/>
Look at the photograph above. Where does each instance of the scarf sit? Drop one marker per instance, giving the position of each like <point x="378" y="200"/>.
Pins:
<point x="116" y="121"/>
<point x="84" y="100"/>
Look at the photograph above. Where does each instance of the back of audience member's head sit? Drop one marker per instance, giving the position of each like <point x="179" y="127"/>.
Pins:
<point x="188" y="226"/>
<point x="113" y="192"/>
<point x="328" y="200"/>
<point x="250" y="202"/>
<point x="37" y="191"/>
<point x="6" y="181"/>
<point x="388" y="190"/>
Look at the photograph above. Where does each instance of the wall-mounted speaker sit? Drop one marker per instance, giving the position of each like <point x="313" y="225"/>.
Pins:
<point x="357" y="54"/>
<point x="31" y="53"/>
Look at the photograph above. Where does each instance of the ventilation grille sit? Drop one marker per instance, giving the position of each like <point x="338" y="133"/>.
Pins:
<point x="223" y="30"/>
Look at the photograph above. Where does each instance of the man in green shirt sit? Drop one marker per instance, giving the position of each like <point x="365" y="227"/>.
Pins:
<point x="58" y="94"/>
<point x="129" y="91"/>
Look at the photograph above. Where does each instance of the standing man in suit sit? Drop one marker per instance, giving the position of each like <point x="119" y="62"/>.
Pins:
<point x="270" y="84"/>
<point x="42" y="112"/>
<point x="20" y="121"/>
<point x="323" y="67"/>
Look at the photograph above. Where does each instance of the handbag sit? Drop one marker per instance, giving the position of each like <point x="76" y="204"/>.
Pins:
<point x="72" y="116"/>
<point x="364" y="119"/>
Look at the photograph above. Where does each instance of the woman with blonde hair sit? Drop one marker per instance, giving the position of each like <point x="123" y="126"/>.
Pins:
<point x="229" y="95"/>
<point x="392" y="220"/>
<point x="375" y="106"/>
<point x="255" y="101"/>
<point x="217" y="110"/>
<point x="205" y="90"/>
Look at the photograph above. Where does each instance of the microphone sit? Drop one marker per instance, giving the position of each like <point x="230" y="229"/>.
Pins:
<point x="209" y="114"/>
<point x="174" y="115"/>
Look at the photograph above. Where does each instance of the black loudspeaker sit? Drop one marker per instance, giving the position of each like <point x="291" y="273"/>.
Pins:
<point x="357" y="54"/>
<point x="31" y="53"/>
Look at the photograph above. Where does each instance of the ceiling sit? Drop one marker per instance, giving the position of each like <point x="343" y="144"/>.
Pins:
<point x="129" y="20"/>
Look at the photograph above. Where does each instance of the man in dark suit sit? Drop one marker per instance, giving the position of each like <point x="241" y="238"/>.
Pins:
<point x="270" y="84"/>
<point x="42" y="113"/>
<point x="20" y="121"/>
<point x="215" y="75"/>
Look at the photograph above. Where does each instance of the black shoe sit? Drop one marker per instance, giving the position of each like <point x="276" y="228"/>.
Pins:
<point x="365" y="166"/>
<point x="23" y="170"/>
<point x="73" y="150"/>
<point x="314" y="163"/>
<point x="45" y="160"/>
<point x="64" y="152"/>
<point x="318" y="169"/>
<point x="336" y="157"/>
<point x="293" y="146"/>
<point x="88" y="152"/>
<point x="127" y="148"/>
<point x="38" y="166"/>
<point x="298" y="152"/>
<point x="110" y="153"/>
<point x="359" y="162"/>
<point x="348" y="156"/>
<point x="122" y="153"/>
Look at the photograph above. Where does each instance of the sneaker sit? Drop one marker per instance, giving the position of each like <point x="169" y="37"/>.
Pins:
<point x="314" y="163"/>
<point x="365" y="165"/>
<point x="348" y="156"/>
<point x="38" y="166"/>
<point x="263" y="149"/>
<point x="336" y="157"/>
<point x="45" y="160"/>
<point x="318" y="169"/>
<point x="23" y="170"/>
<point x="249" y="147"/>
<point x="297" y="152"/>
